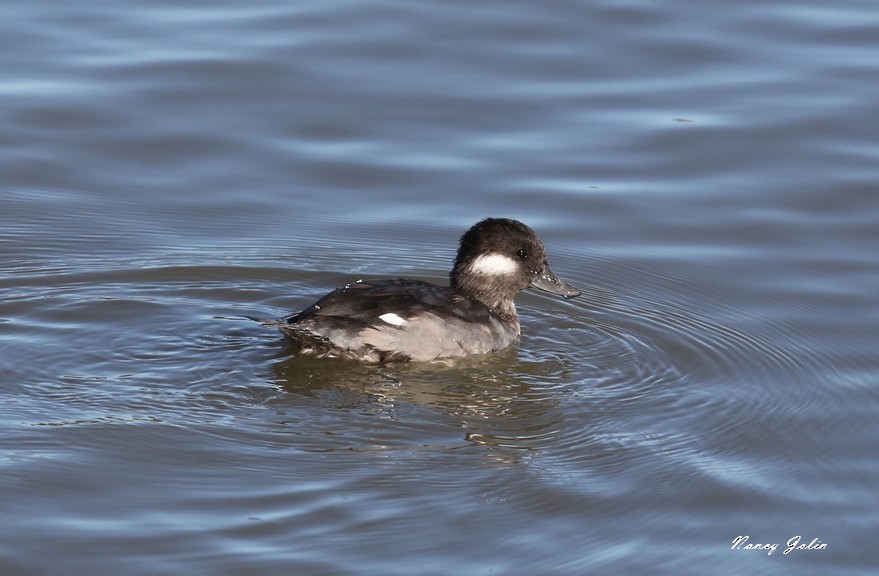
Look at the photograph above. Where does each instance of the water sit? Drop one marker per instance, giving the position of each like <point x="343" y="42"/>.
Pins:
<point x="706" y="173"/>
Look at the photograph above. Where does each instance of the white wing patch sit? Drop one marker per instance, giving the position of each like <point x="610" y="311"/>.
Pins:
<point x="392" y="319"/>
<point x="494" y="265"/>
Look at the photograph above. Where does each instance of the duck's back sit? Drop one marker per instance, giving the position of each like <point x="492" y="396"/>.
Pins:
<point x="383" y="320"/>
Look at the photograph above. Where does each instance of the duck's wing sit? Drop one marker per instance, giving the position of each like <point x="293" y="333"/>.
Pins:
<point x="403" y="319"/>
<point x="375" y="301"/>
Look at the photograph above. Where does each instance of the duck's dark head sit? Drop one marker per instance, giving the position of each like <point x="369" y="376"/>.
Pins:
<point x="500" y="257"/>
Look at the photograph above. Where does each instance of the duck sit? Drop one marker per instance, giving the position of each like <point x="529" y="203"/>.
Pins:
<point x="406" y="320"/>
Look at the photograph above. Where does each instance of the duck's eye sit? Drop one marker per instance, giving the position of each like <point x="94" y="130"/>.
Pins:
<point x="522" y="253"/>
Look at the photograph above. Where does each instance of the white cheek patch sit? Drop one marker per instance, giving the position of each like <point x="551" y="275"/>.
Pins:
<point x="392" y="319"/>
<point x="494" y="265"/>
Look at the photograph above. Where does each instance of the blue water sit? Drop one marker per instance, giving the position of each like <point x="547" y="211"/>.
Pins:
<point x="705" y="172"/>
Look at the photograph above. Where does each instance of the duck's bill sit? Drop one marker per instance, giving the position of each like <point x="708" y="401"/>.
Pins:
<point x="549" y="282"/>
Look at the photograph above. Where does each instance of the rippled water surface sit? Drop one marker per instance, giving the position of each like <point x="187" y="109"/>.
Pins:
<point x="705" y="172"/>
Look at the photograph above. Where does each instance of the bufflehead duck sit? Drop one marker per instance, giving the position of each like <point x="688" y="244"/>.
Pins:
<point x="410" y="320"/>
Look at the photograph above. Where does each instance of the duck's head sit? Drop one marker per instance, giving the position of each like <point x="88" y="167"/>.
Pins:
<point x="500" y="257"/>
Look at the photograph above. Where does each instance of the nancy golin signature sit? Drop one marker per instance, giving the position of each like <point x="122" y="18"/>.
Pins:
<point x="795" y="543"/>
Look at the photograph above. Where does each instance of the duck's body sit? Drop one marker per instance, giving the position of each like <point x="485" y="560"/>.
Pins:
<point x="385" y="320"/>
<point x="410" y="320"/>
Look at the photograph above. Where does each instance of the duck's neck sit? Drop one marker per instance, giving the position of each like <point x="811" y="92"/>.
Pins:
<point x="491" y="294"/>
<point x="503" y="309"/>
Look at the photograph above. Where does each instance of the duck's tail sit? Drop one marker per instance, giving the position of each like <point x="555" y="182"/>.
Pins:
<point x="268" y="322"/>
